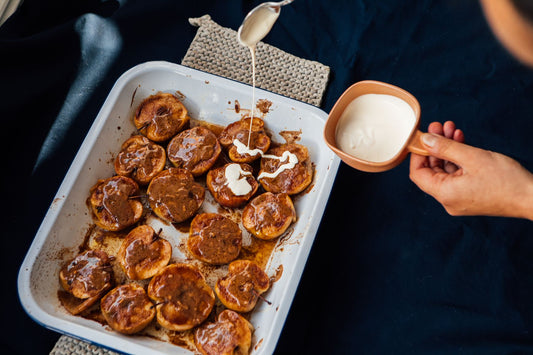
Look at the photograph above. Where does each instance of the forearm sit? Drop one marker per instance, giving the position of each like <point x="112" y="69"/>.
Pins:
<point x="524" y="202"/>
<point x="516" y="188"/>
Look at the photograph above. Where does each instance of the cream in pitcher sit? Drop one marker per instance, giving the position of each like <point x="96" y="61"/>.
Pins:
<point x="375" y="127"/>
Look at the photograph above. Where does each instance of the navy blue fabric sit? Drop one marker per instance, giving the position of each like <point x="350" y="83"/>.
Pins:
<point x="390" y="272"/>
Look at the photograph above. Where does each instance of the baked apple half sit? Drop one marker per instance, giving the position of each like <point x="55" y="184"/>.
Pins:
<point x="182" y="296"/>
<point x="88" y="275"/>
<point x="232" y="185"/>
<point x="269" y="215"/>
<point x="160" y="117"/>
<point x="174" y="196"/>
<point x="143" y="253"/>
<point x="127" y="309"/>
<point x="214" y="239"/>
<point x="114" y="203"/>
<point x="278" y="175"/>
<point x="240" y="131"/>
<point x="140" y="159"/>
<point x="195" y="149"/>
<point x="240" y="289"/>
<point x="231" y="334"/>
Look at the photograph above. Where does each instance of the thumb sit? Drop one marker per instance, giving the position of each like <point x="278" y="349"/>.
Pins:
<point x="448" y="149"/>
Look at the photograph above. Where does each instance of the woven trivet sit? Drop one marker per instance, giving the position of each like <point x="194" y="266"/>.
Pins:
<point x="68" y="346"/>
<point x="215" y="49"/>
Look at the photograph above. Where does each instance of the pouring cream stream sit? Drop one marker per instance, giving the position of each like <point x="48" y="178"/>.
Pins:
<point x="256" y="25"/>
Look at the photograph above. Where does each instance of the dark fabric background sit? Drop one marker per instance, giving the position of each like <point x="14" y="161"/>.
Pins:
<point x="390" y="272"/>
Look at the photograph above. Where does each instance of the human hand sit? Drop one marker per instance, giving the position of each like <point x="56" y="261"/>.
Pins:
<point x="468" y="180"/>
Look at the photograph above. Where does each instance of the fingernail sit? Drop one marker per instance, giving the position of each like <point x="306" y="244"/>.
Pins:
<point x="429" y="139"/>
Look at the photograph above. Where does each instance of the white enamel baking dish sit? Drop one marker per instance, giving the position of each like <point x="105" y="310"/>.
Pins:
<point x="207" y="97"/>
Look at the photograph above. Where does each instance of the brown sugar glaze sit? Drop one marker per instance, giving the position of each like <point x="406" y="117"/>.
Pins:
<point x="175" y="194"/>
<point x="112" y="203"/>
<point x="195" y="149"/>
<point x="161" y="116"/>
<point x="127" y="308"/>
<point x="138" y="252"/>
<point x="183" y="298"/>
<point x="140" y="159"/>
<point x="214" y="239"/>
<point x="88" y="274"/>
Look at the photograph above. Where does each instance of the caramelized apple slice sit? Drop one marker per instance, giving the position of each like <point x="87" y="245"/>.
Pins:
<point x="159" y="117"/>
<point x="231" y="334"/>
<point x="77" y="305"/>
<point x="269" y="215"/>
<point x="127" y="309"/>
<point x="214" y="239"/>
<point x="240" y="131"/>
<point x="194" y="149"/>
<point x="87" y="275"/>
<point x="143" y="253"/>
<point x="241" y="287"/>
<point x="140" y="159"/>
<point x="174" y="195"/>
<point x="232" y="184"/>
<point x="290" y="180"/>
<point x="183" y="298"/>
<point x="113" y="203"/>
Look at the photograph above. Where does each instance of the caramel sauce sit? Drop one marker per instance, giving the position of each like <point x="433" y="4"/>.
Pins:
<point x="181" y="96"/>
<point x="291" y="136"/>
<point x="95" y="314"/>
<point x="189" y="151"/>
<point x="258" y="251"/>
<point x="163" y="121"/>
<point x="214" y="239"/>
<point x="184" y="339"/>
<point x="140" y="255"/>
<point x="175" y="195"/>
<point x="227" y="335"/>
<point x="277" y="275"/>
<point x="258" y="343"/>
<point x="115" y="202"/>
<point x="87" y="274"/>
<point x="263" y="106"/>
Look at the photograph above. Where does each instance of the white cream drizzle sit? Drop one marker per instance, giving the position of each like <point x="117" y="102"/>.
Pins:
<point x="259" y="25"/>
<point x="291" y="159"/>
<point x="243" y="148"/>
<point x="236" y="179"/>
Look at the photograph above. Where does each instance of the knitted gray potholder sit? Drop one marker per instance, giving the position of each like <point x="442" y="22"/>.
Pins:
<point x="68" y="346"/>
<point x="215" y="49"/>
